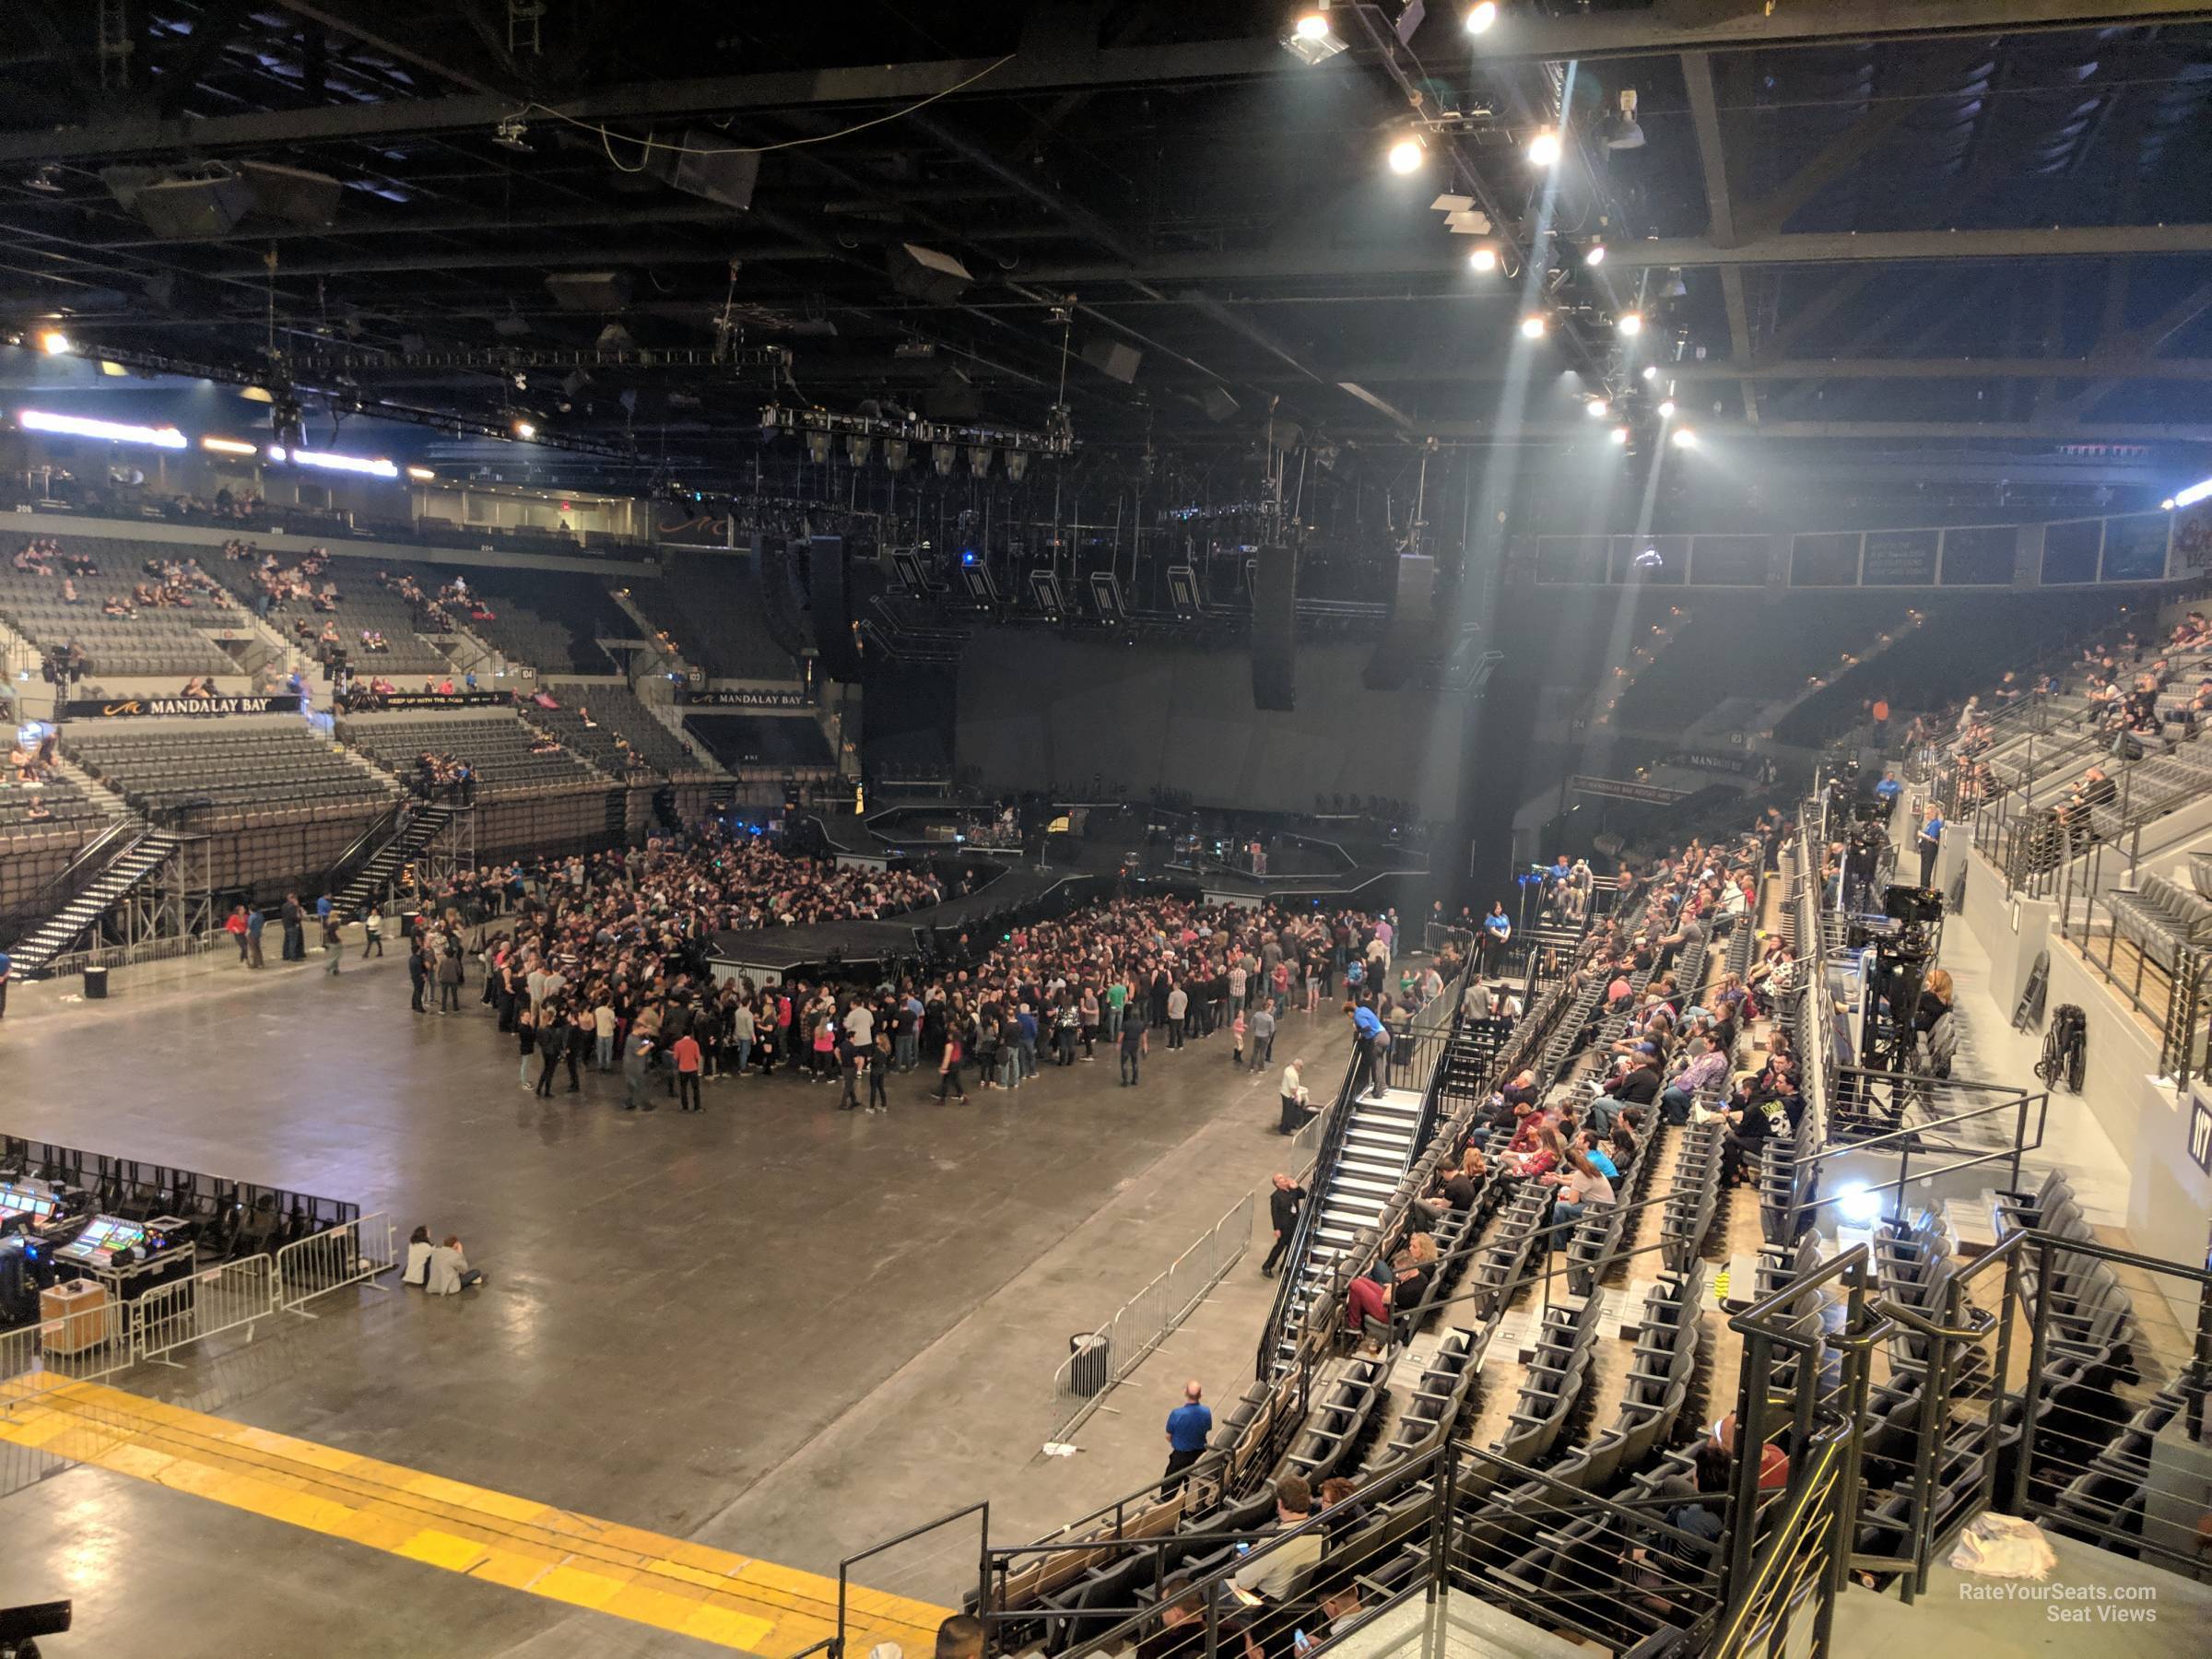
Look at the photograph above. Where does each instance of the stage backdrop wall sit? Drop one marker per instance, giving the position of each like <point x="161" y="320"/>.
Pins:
<point x="1040" y="711"/>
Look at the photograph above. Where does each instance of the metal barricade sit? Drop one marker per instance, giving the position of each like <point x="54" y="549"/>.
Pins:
<point x="233" y="1296"/>
<point x="1097" y="1361"/>
<point x="352" y="1254"/>
<point x="75" y="1347"/>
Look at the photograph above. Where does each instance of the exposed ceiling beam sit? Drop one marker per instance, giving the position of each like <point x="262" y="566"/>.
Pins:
<point x="1407" y="371"/>
<point x="1067" y="68"/>
<point x="1703" y="25"/>
<point x="1569" y="430"/>
<point x="1822" y="248"/>
<point x="1719" y="210"/>
<point x="1839" y="155"/>
<point x="399" y="51"/>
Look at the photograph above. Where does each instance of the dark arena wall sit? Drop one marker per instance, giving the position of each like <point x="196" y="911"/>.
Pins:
<point x="1039" y="710"/>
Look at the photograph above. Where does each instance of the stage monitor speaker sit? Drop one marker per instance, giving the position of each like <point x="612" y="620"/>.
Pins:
<point x="831" y="609"/>
<point x="1274" y="629"/>
<point x="1412" y="614"/>
<point x="293" y="194"/>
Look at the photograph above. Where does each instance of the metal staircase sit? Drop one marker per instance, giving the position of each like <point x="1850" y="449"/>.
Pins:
<point x="1374" y="1143"/>
<point x="373" y="864"/>
<point x="117" y="866"/>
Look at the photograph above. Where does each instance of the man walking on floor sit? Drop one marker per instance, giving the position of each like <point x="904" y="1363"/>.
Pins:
<point x="1188" y="1426"/>
<point x="1282" y="1213"/>
<point x="1132" y="1020"/>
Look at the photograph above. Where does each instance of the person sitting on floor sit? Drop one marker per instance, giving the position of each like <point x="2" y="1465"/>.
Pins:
<point x="448" y="1273"/>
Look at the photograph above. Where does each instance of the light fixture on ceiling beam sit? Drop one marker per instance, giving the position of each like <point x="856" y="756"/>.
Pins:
<point x="1545" y="150"/>
<point x="525" y="430"/>
<point x="111" y="431"/>
<point x="1480" y="18"/>
<point x="1598" y="408"/>
<point x="1406" y="152"/>
<point x="1484" y="259"/>
<point x="227" y="446"/>
<point x="54" y="343"/>
<point x="1595" y="255"/>
<point x="2191" y="496"/>
<point x="1313" y="38"/>
<point x="1532" y="326"/>
<point x="1684" y="437"/>
<point x="1630" y="323"/>
<point x="1666" y="408"/>
<point x="1620" y="434"/>
<point x="1651" y="372"/>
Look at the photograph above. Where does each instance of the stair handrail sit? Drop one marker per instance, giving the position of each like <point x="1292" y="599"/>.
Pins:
<point x="86" y="863"/>
<point x="363" y="847"/>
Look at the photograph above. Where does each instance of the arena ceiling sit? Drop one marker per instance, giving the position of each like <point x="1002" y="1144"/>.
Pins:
<point x="1844" y="223"/>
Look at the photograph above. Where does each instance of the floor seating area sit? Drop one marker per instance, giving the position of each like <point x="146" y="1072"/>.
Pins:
<point x="497" y="746"/>
<point x="227" y="769"/>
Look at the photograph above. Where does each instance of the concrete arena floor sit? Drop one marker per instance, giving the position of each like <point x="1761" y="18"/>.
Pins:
<point x="775" y="1329"/>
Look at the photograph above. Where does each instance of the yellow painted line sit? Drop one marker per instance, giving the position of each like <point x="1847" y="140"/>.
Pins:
<point x="625" y="1571"/>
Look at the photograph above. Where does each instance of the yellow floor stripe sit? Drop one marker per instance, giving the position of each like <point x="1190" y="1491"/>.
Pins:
<point x="732" y="1600"/>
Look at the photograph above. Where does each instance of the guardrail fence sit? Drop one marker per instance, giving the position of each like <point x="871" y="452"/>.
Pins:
<point x="233" y="1296"/>
<point x="1100" y="1359"/>
<point x="352" y="1254"/>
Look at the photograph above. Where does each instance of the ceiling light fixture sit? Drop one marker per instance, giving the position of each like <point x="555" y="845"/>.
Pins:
<point x="1620" y="434"/>
<point x="1685" y="438"/>
<point x="526" y="430"/>
<point x="1406" y="153"/>
<point x="228" y="446"/>
<point x="1630" y="323"/>
<point x="1651" y="372"/>
<point x="1544" y="149"/>
<point x="421" y="475"/>
<point x="1312" y="38"/>
<point x="2194" y="494"/>
<point x="78" y="425"/>
<point x="1595" y="254"/>
<point x="1480" y="18"/>
<point x="1484" y="259"/>
<point x="1598" y="408"/>
<point x="1666" y="408"/>
<point x="54" y="343"/>
<point x="1532" y="326"/>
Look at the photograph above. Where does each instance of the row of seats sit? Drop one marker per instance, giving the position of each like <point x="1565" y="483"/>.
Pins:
<point x="616" y="712"/>
<point x="362" y="605"/>
<point x="230" y="765"/>
<point x="58" y="796"/>
<point x="497" y="746"/>
<point x="2161" y="915"/>
<point x="155" y="640"/>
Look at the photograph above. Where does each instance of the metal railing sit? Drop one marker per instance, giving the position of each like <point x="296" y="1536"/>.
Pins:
<point x="352" y="1254"/>
<point x="86" y="1340"/>
<point x="2162" y="978"/>
<point x="230" y="1297"/>
<point x="1099" y="1360"/>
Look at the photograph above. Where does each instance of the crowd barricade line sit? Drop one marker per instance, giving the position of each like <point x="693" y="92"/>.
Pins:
<point x="355" y="1253"/>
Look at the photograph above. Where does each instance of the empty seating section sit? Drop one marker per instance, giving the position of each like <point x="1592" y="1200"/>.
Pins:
<point x="497" y="747"/>
<point x="154" y="639"/>
<point x="770" y="742"/>
<point x="2163" y="916"/>
<point x="551" y="619"/>
<point x="356" y="605"/>
<point x="225" y="767"/>
<point x="53" y="806"/>
<point x="710" y="604"/>
<point x="613" y="712"/>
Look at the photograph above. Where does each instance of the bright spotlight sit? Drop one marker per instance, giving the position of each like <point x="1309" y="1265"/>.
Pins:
<point x="2194" y="494"/>
<point x="1406" y="154"/>
<point x="1595" y="255"/>
<point x="1484" y="259"/>
<point x="1544" y="149"/>
<point x="54" y="343"/>
<point x="526" y="430"/>
<point x="1666" y="408"/>
<point x="1532" y="326"/>
<point x="1859" y="1203"/>
<point x="1630" y="323"/>
<point x="1620" y="434"/>
<point x="2167" y="504"/>
<point x="1598" y="408"/>
<point x="1312" y="39"/>
<point x="1481" y="17"/>
<point x="1685" y="438"/>
<point x="1651" y="371"/>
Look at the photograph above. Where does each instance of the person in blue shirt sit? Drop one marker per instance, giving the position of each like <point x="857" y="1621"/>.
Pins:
<point x="1929" y="842"/>
<point x="1368" y="1035"/>
<point x="1889" y="789"/>
<point x="1497" y="928"/>
<point x="1188" y="1426"/>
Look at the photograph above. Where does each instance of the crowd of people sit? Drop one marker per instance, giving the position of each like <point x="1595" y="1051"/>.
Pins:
<point x="600" y="964"/>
